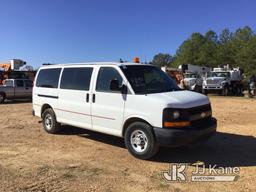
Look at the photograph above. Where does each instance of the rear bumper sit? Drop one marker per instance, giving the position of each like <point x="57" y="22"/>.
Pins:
<point x="185" y="136"/>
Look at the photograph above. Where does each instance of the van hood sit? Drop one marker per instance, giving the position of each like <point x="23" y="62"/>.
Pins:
<point x="181" y="99"/>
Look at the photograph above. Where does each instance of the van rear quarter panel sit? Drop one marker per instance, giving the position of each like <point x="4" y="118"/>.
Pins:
<point x="43" y="96"/>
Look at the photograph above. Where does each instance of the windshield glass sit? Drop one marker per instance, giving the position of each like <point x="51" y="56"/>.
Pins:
<point x="190" y="75"/>
<point x="218" y="74"/>
<point x="148" y="79"/>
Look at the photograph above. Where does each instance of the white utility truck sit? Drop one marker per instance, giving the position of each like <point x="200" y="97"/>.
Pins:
<point x="193" y="76"/>
<point x="138" y="102"/>
<point x="223" y="80"/>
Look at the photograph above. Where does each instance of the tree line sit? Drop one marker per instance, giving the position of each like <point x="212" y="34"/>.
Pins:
<point x="238" y="49"/>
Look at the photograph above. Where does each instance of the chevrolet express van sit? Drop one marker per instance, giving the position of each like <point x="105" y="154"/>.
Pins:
<point x="138" y="102"/>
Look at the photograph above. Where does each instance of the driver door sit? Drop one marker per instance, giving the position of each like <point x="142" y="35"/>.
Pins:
<point x="107" y="106"/>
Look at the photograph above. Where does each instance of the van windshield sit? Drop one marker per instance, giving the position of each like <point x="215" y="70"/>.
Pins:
<point x="148" y="79"/>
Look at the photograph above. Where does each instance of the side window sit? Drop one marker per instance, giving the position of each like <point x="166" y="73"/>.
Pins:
<point x="19" y="83"/>
<point x="76" y="78"/>
<point x="28" y="83"/>
<point x="8" y="83"/>
<point x="105" y="75"/>
<point x="48" y="78"/>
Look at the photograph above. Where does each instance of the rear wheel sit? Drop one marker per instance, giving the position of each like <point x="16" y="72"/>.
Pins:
<point x="49" y="121"/>
<point x="140" y="140"/>
<point x="2" y="97"/>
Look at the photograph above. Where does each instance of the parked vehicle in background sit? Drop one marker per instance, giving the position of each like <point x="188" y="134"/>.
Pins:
<point x="252" y="86"/>
<point x="193" y="78"/>
<point x="193" y="82"/>
<point x="138" y="102"/>
<point x="176" y="74"/>
<point x="224" y="81"/>
<point x="16" y="69"/>
<point x="16" y="89"/>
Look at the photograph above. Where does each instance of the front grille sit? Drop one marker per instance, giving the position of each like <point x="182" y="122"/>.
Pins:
<point x="199" y="110"/>
<point x="195" y="115"/>
<point x="201" y="123"/>
<point x="211" y="81"/>
<point x="198" y="113"/>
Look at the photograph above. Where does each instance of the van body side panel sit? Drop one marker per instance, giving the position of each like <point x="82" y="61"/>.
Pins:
<point x="108" y="109"/>
<point x="45" y="96"/>
<point x="75" y="105"/>
<point x="141" y="106"/>
<point x="73" y="108"/>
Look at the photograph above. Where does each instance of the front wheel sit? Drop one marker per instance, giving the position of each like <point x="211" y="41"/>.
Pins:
<point x="204" y="91"/>
<point x="140" y="140"/>
<point x="225" y="91"/>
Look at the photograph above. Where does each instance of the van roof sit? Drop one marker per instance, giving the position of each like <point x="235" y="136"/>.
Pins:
<point x="90" y="63"/>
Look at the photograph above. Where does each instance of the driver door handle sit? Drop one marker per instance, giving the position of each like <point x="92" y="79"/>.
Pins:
<point x="87" y="97"/>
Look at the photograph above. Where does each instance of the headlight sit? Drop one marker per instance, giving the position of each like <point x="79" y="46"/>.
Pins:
<point x="176" y="115"/>
<point x="171" y="114"/>
<point x="175" y="118"/>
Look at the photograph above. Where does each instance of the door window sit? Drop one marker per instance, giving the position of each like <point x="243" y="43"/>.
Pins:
<point x="19" y="83"/>
<point x="105" y="75"/>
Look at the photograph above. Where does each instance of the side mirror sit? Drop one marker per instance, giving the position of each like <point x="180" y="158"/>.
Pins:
<point x="114" y="85"/>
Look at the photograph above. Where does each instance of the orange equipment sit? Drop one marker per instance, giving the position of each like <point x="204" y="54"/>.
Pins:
<point x="136" y="60"/>
<point x="5" y="66"/>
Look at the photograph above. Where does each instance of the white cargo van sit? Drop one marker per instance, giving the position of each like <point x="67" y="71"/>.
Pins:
<point x="138" y="102"/>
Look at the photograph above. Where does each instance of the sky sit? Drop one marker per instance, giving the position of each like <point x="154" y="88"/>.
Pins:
<point x="71" y="31"/>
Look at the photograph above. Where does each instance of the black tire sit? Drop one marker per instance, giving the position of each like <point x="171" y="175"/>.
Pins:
<point x="49" y="121"/>
<point x="225" y="91"/>
<point x="151" y="147"/>
<point x="2" y="97"/>
<point x="198" y="89"/>
<point x="204" y="91"/>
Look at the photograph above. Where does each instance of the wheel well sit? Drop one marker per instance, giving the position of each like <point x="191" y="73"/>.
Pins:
<point x="44" y="107"/>
<point x="130" y="121"/>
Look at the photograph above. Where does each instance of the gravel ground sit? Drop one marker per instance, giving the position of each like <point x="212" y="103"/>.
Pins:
<point x="81" y="160"/>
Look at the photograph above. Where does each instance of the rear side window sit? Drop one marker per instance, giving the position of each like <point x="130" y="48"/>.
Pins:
<point x="48" y="78"/>
<point x="106" y="74"/>
<point x="76" y="78"/>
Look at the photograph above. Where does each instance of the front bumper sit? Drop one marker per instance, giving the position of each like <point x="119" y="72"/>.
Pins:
<point x="213" y="87"/>
<point x="176" y="137"/>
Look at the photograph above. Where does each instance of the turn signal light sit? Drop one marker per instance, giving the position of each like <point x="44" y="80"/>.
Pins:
<point x="177" y="124"/>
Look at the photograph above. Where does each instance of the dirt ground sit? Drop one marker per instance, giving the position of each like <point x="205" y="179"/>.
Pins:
<point x="80" y="160"/>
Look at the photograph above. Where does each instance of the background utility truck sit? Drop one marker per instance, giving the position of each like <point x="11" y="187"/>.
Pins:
<point x="224" y="81"/>
<point x="193" y="76"/>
